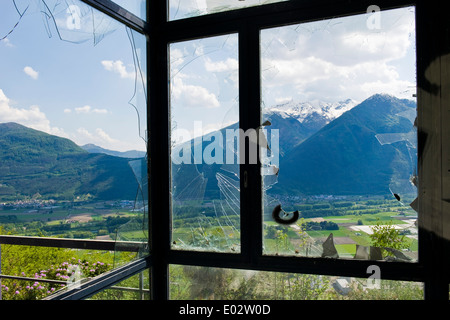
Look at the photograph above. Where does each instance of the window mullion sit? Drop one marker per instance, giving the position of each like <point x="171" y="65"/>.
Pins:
<point x="158" y="151"/>
<point x="250" y="119"/>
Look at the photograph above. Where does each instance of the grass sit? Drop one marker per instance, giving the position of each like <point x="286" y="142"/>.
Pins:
<point x="367" y="219"/>
<point x="355" y="215"/>
<point x="326" y="233"/>
<point x="346" y="249"/>
<point x="132" y="235"/>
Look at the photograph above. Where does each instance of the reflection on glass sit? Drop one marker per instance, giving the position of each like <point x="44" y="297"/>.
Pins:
<point x="79" y="170"/>
<point x="135" y="287"/>
<point x="341" y="92"/>
<point x="137" y="7"/>
<point x="203" y="283"/>
<point x="179" y="9"/>
<point x="204" y="123"/>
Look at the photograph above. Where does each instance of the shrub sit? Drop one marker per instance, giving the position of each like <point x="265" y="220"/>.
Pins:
<point x="68" y="271"/>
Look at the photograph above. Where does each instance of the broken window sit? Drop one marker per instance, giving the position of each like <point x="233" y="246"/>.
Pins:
<point x="137" y="7"/>
<point x="136" y="287"/>
<point x="206" y="283"/>
<point x="80" y="169"/>
<point x="180" y="9"/>
<point x="341" y="93"/>
<point x="205" y="134"/>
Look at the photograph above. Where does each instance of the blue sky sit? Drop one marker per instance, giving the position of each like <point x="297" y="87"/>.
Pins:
<point x="75" y="90"/>
<point x="341" y="58"/>
<point x="81" y="91"/>
<point x="179" y="9"/>
<point x="330" y="60"/>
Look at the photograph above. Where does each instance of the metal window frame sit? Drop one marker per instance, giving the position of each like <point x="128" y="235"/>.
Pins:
<point x="103" y="281"/>
<point x="120" y="14"/>
<point x="433" y="138"/>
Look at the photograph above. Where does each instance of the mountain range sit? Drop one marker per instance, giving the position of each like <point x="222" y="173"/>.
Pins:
<point x="345" y="148"/>
<point x="36" y="163"/>
<point x="347" y="156"/>
<point x="340" y="148"/>
<point x="297" y="121"/>
<point x="92" y="148"/>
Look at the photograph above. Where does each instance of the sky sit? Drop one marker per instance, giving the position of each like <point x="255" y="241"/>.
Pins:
<point x="82" y="90"/>
<point x="76" y="88"/>
<point x="179" y="9"/>
<point x="341" y="58"/>
<point x="330" y="60"/>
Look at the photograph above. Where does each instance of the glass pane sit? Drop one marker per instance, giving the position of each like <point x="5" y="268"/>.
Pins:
<point x="179" y="9"/>
<point x="135" y="287"/>
<point x="137" y="7"/>
<point x="340" y="95"/>
<point x="204" y="123"/>
<point x="203" y="283"/>
<point x="72" y="134"/>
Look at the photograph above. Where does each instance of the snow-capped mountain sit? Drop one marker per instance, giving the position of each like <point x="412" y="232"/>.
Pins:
<point x="312" y="110"/>
<point x="297" y="121"/>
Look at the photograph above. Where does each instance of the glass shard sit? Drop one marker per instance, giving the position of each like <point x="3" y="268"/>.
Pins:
<point x="205" y="144"/>
<point x="340" y="92"/>
<point x="180" y="9"/>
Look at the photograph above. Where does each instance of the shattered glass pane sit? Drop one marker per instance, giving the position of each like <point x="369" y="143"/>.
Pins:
<point x="341" y="93"/>
<point x="80" y="170"/>
<point x="11" y="21"/>
<point x="205" y="283"/>
<point x="180" y="9"/>
<point x="136" y="287"/>
<point x="205" y="136"/>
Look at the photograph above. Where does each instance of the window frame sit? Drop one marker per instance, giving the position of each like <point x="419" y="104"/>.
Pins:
<point x="434" y="171"/>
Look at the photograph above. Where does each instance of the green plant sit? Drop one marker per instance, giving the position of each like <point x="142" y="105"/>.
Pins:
<point x="68" y="271"/>
<point x="387" y="236"/>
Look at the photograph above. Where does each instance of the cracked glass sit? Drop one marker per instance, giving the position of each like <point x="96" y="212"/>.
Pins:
<point x="137" y="7"/>
<point x="180" y="9"/>
<point x="342" y="95"/>
<point x="207" y="283"/>
<point x="204" y="124"/>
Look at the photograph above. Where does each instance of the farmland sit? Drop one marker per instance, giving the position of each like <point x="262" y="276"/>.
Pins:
<point x="350" y="220"/>
<point x="84" y="218"/>
<point x="201" y="226"/>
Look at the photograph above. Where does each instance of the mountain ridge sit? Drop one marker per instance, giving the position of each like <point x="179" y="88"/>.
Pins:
<point x="305" y="110"/>
<point x="344" y="156"/>
<point x="34" y="162"/>
<point x="92" y="148"/>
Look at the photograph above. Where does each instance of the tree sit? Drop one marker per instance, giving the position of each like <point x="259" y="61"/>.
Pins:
<point x="387" y="236"/>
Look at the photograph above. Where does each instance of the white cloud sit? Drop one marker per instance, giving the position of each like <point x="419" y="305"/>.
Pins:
<point x="192" y="96"/>
<point x="88" y="109"/>
<point x="84" y="109"/>
<point x="100" y="138"/>
<point x="31" y="72"/>
<point x="119" y="68"/>
<point x="7" y="43"/>
<point x="176" y="58"/>
<point x="32" y="117"/>
<point x="340" y="58"/>
<point x="100" y="111"/>
<point x="226" y="70"/>
<point x="229" y="65"/>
